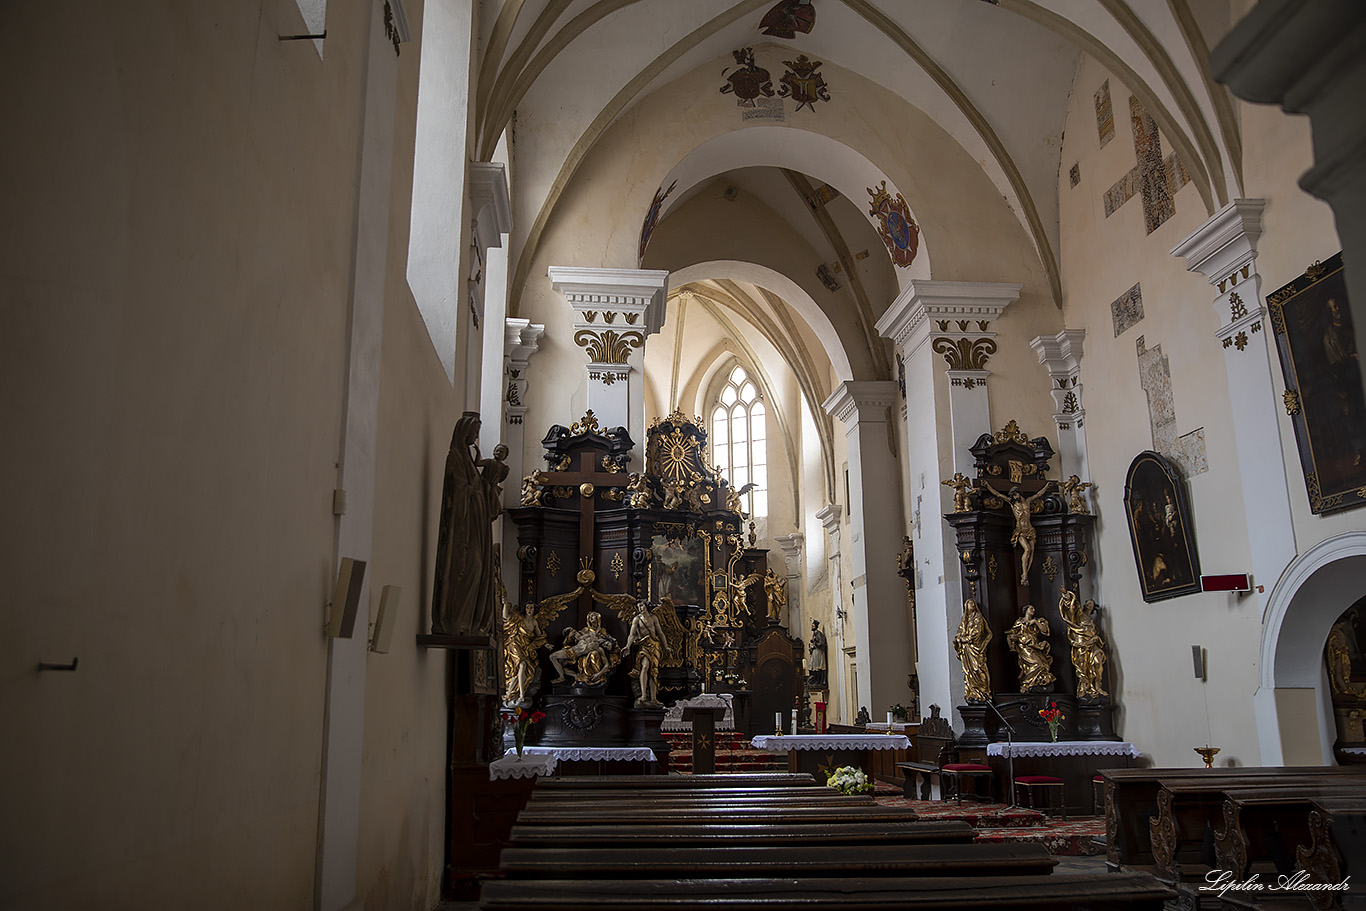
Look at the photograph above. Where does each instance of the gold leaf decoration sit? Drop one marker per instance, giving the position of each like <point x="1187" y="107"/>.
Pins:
<point x="609" y="346"/>
<point x="1292" y="402"/>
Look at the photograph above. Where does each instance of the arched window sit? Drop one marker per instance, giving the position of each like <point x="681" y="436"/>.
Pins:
<point x="738" y="438"/>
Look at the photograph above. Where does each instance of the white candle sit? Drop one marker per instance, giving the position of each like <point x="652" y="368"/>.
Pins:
<point x="889" y="719"/>
<point x="794" y="721"/>
<point x="777" y="721"/>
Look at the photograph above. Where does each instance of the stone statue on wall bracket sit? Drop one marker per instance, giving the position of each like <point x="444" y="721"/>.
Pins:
<point x="815" y="660"/>
<point x="464" y="592"/>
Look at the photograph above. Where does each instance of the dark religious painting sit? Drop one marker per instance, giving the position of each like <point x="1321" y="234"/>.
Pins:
<point x="647" y="227"/>
<point x="788" y="18"/>
<point x="748" y="80"/>
<point x="1160" y="528"/>
<point x="1323" y="395"/>
<point x="894" y="223"/>
<point x="678" y="570"/>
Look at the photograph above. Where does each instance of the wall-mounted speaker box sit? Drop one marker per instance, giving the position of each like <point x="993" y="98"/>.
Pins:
<point x="384" y="623"/>
<point x="1198" y="656"/>
<point x="341" y="621"/>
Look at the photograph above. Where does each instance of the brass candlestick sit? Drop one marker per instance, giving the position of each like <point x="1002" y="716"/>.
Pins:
<point x="1207" y="754"/>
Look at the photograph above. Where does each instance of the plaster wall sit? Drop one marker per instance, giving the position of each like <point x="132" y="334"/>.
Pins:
<point x="1162" y="707"/>
<point x="177" y="272"/>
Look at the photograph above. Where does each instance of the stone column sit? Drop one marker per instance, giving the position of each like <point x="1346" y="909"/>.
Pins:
<point x="486" y="288"/>
<point x="521" y="338"/>
<point x="792" y="554"/>
<point x="1307" y="58"/>
<point x="829" y="517"/>
<point x="953" y="320"/>
<point x="1061" y="355"/>
<point x="615" y="311"/>
<point x="881" y="625"/>
<point x="1224" y="250"/>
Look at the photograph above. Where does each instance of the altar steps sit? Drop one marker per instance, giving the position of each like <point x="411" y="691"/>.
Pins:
<point x="733" y="754"/>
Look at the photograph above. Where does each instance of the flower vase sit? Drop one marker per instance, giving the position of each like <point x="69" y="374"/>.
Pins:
<point x="519" y="739"/>
<point x="1053" y="730"/>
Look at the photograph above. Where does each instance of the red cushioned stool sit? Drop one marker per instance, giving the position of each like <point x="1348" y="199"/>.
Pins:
<point x="953" y="774"/>
<point x="1044" y="782"/>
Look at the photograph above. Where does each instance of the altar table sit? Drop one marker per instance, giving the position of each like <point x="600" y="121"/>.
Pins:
<point x="526" y="766"/>
<point x="598" y="760"/>
<point x="1074" y="761"/>
<point x="820" y="753"/>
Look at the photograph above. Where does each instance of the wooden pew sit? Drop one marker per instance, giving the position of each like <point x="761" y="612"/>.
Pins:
<point x="687" y="782"/>
<point x="942" y="831"/>
<point x="1189" y="807"/>
<point x="1336" y="850"/>
<point x="783" y="796"/>
<point x="1057" y="892"/>
<point x="1131" y="800"/>
<point x="1020" y="859"/>
<point x="610" y="814"/>
<point x="1262" y="827"/>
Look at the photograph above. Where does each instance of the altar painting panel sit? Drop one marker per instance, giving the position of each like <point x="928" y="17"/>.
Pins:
<point x="678" y="570"/>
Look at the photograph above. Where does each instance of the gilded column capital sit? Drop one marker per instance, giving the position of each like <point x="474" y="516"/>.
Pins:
<point x="926" y="309"/>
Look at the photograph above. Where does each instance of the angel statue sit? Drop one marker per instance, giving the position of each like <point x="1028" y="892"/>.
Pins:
<point x="1088" y="648"/>
<point x="1028" y="638"/>
<point x="647" y="633"/>
<point x="522" y="636"/>
<point x="962" y="492"/>
<point x="638" y="492"/>
<point x="971" y="646"/>
<point x="1072" y="489"/>
<point x="1024" y="534"/>
<point x="775" y="586"/>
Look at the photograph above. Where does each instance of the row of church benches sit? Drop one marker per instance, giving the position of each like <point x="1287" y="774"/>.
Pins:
<point x="687" y="843"/>
<point x="1189" y="826"/>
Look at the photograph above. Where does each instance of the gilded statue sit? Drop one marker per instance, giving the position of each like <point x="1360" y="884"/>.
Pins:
<point x="1339" y="656"/>
<point x="648" y="635"/>
<point x="637" y="492"/>
<point x="962" y="492"/>
<point x="1072" y="489"/>
<point x="533" y="489"/>
<point x="1088" y="647"/>
<point x="674" y="492"/>
<point x="589" y="648"/>
<point x="522" y="636"/>
<point x="1024" y="534"/>
<point x="1028" y="638"/>
<point x="971" y="645"/>
<point x="464" y="593"/>
<point x="775" y="587"/>
<point x="815" y="656"/>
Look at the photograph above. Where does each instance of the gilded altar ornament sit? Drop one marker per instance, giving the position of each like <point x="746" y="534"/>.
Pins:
<point x="647" y="634"/>
<point x="534" y="489"/>
<point x="522" y="636"/>
<point x="638" y="492"/>
<point x="1072" y="489"/>
<point x="1339" y="656"/>
<point x="971" y="645"/>
<point x="1088" y="647"/>
<point x="962" y="492"/>
<point x="590" y="649"/>
<point x="775" y="587"/>
<point x="1028" y="638"/>
<point x="674" y="491"/>
<point x="1024" y="534"/>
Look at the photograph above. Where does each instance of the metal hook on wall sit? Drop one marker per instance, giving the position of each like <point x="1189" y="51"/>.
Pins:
<point x="45" y="666"/>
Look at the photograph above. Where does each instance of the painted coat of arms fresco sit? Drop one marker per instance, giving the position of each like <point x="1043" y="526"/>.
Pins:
<point x="788" y="18"/>
<point x="802" y="83"/>
<point x="899" y="231"/>
<point x="647" y="227"/>
<point x="748" y="81"/>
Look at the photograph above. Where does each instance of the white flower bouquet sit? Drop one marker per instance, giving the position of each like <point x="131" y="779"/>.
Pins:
<point x="849" y="780"/>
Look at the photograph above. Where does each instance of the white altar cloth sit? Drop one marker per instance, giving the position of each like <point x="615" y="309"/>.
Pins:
<point x="1065" y="748"/>
<point x="570" y="754"/>
<point x="673" y="718"/>
<point x="525" y="766"/>
<point x="787" y="742"/>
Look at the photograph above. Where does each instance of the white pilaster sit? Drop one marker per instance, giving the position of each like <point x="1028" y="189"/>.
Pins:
<point x="829" y="517"/>
<point x="1224" y="250"/>
<point x="491" y="219"/>
<point x="791" y="546"/>
<point x="881" y="621"/>
<point x="1061" y="355"/>
<point x="953" y="320"/>
<point x="521" y="339"/>
<point x="615" y="311"/>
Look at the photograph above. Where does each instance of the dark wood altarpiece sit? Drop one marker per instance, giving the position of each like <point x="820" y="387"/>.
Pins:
<point x="594" y="537"/>
<point x="1009" y="461"/>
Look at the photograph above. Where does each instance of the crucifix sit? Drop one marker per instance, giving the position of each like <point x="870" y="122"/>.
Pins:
<point x="593" y="475"/>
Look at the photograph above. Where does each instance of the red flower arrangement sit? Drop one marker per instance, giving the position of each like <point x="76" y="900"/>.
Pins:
<point x="1052" y="716"/>
<point x="521" y="719"/>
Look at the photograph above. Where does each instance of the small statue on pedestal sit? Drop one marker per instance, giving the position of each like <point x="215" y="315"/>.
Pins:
<point x="775" y="586"/>
<point x="1072" y="488"/>
<point x="962" y="492"/>
<point x="1028" y="638"/>
<point x="815" y="658"/>
<point x="649" y="636"/>
<point x="971" y="645"/>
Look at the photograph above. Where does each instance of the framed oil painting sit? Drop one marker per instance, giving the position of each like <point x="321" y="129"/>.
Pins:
<point x="1160" y="528"/>
<point x="1312" y="326"/>
<point x="678" y="570"/>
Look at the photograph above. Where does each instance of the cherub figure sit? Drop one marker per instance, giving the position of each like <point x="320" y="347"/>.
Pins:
<point x="1072" y="489"/>
<point x="638" y="492"/>
<point x="533" y="489"/>
<point x="962" y="492"/>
